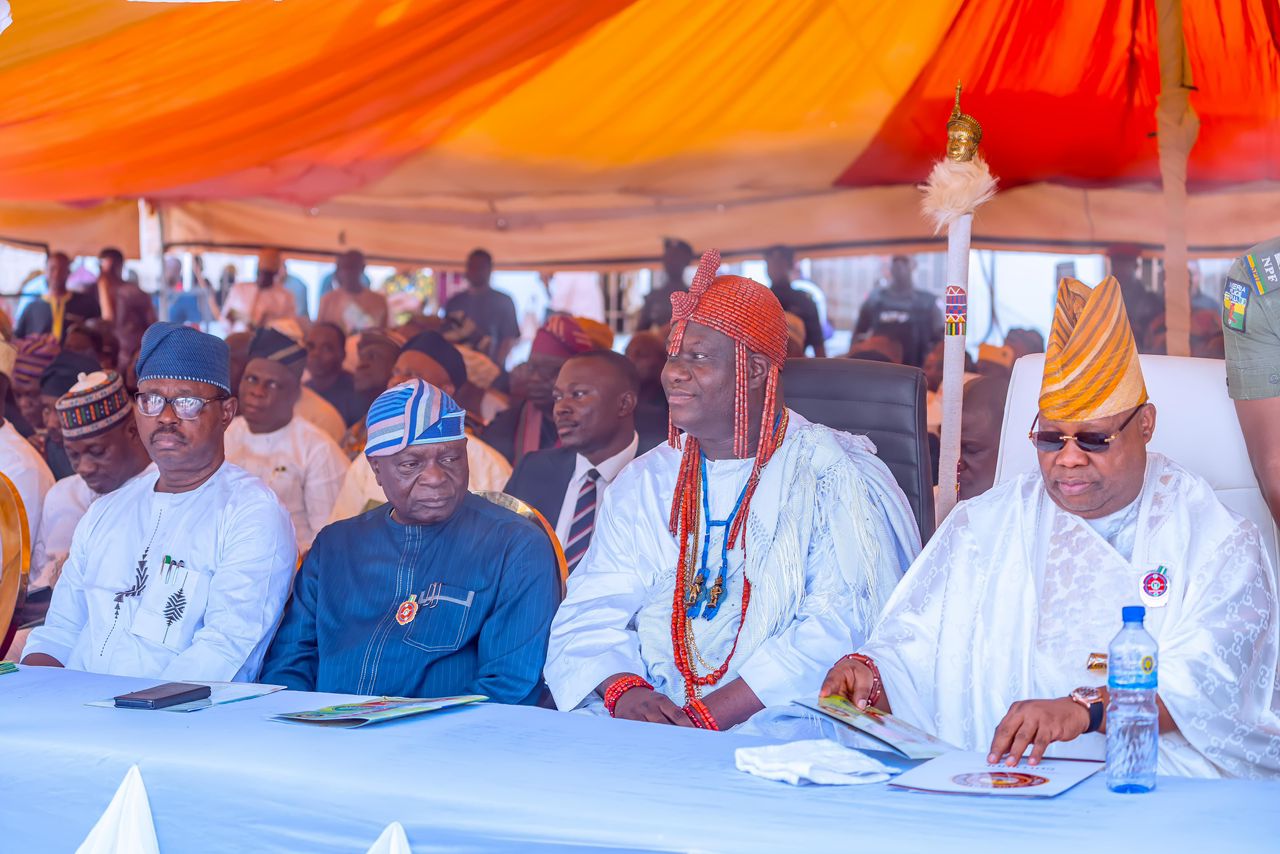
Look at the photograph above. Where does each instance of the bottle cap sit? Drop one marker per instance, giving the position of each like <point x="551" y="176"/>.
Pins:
<point x="1133" y="613"/>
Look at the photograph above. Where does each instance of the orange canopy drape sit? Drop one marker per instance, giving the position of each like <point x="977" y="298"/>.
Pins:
<point x="560" y="132"/>
<point x="1066" y="92"/>
<point x="292" y="100"/>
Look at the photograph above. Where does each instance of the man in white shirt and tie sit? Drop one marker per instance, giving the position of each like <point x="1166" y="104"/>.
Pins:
<point x="595" y="400"/>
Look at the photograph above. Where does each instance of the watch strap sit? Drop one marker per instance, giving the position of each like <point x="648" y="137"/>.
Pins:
<point x="1095" y="716"/>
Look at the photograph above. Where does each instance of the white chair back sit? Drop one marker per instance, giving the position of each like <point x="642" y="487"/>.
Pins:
<point x="1196" y="427"/>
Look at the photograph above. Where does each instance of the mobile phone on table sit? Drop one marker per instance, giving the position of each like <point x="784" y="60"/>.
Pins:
<point x="163" y="696"/>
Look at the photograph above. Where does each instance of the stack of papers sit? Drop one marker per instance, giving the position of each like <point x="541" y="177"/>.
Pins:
<point x="376" y="711"/>
<point x="8" y="667"/>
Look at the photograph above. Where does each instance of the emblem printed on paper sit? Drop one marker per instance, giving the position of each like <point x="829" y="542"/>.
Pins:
<point x="999" y="780"/>
<point x="957" y="309"/>
<point x="1235" y="302"/>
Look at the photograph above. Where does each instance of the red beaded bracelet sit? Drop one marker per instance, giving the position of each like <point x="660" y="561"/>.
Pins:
<point x="877" y="690"/>
<point x="701" y="716"/>
<point x="620" y="686"/>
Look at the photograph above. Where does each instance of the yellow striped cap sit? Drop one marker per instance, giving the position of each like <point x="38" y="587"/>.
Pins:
<point x="1091" y="368"/>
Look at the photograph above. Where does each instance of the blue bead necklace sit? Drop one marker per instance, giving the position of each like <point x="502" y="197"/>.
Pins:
<point x="704" y="599"/>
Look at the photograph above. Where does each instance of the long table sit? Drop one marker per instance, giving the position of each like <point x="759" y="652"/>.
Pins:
<point x="502" y="777"/>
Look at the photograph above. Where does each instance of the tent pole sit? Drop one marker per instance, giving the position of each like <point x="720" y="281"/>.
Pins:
<point x="1177" y="127"/>
<point x="151" y="251"/>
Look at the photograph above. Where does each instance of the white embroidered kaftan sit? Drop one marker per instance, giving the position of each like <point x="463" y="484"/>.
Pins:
<point x="173" y="586"/>
<point x="828" y="535"/>
<point x="1012" y="594"/>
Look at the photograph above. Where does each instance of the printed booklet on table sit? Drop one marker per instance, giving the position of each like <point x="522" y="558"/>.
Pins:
<point x="910" y="741"/>
<point x="376" y="710"/>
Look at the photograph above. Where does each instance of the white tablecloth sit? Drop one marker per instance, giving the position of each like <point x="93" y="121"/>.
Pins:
<point x="491" y="777"/>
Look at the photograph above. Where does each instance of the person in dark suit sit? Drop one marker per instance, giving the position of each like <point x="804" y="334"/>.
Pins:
<point x="595" y="402"/>
<point x="529" y="426"/>
<point x="55" y="312"/>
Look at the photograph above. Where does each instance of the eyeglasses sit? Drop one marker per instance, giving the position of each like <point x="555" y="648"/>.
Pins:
<point x="1090" y="441"/>
<point x="151" y="404"/>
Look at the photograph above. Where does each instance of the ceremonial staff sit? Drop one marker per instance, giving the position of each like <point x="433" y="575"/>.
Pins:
<point x="958" y="184"/>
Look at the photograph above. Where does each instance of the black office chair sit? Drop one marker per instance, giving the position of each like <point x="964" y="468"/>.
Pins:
<point x="882" y="401"/>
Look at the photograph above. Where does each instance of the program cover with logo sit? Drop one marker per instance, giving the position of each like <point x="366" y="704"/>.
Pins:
<point x="966" y="772"/>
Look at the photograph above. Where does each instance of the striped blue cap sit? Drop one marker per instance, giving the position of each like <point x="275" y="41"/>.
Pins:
<point x="412" y="413"/>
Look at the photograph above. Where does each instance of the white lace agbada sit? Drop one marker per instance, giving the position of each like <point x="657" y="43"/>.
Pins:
<point x="828" y="535"/>
<point x="1012" y="594"/>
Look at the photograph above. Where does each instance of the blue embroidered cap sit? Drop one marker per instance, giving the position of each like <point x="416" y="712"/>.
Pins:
<point x="412" y="413"/>
<point x="171" y="351"/>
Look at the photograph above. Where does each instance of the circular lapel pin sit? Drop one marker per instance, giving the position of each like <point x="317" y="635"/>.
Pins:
<point x="1155" y="588"/>
<point x="407" y="611"/>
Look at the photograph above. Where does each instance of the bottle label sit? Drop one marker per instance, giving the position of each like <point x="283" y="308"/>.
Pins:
<point x="1133" y="672"/>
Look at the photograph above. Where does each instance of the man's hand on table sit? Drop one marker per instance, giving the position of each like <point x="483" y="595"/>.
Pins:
<point x="40" y="659"/>
<point x="1039" y="723"/>
<point x="645" y="704"/>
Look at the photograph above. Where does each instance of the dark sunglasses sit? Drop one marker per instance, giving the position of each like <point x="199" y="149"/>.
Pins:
<point x="1090" y="441"/>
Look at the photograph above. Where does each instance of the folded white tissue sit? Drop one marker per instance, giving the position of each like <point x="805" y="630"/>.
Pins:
<point x="816" y="761"/>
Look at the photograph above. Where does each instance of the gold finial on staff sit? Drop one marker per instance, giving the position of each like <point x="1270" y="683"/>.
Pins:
<point x="963" y="134"/>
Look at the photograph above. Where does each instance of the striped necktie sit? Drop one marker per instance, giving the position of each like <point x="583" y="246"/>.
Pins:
<point x="584" y="521"/>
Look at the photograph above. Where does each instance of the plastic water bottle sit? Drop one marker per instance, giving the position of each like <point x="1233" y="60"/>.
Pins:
<point x="1133" y="724"/>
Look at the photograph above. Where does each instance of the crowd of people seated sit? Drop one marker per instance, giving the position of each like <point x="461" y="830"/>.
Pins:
<point x="308" y="502"/>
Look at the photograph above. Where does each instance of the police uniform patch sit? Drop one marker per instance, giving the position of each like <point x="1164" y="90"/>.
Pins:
<point x="1264" y="270"/>
<point x="1235" y="302"/>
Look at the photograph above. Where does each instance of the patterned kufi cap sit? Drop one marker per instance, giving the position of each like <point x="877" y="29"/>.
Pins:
<point x="94" y="405"/>
<point x="412" y="413"/>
